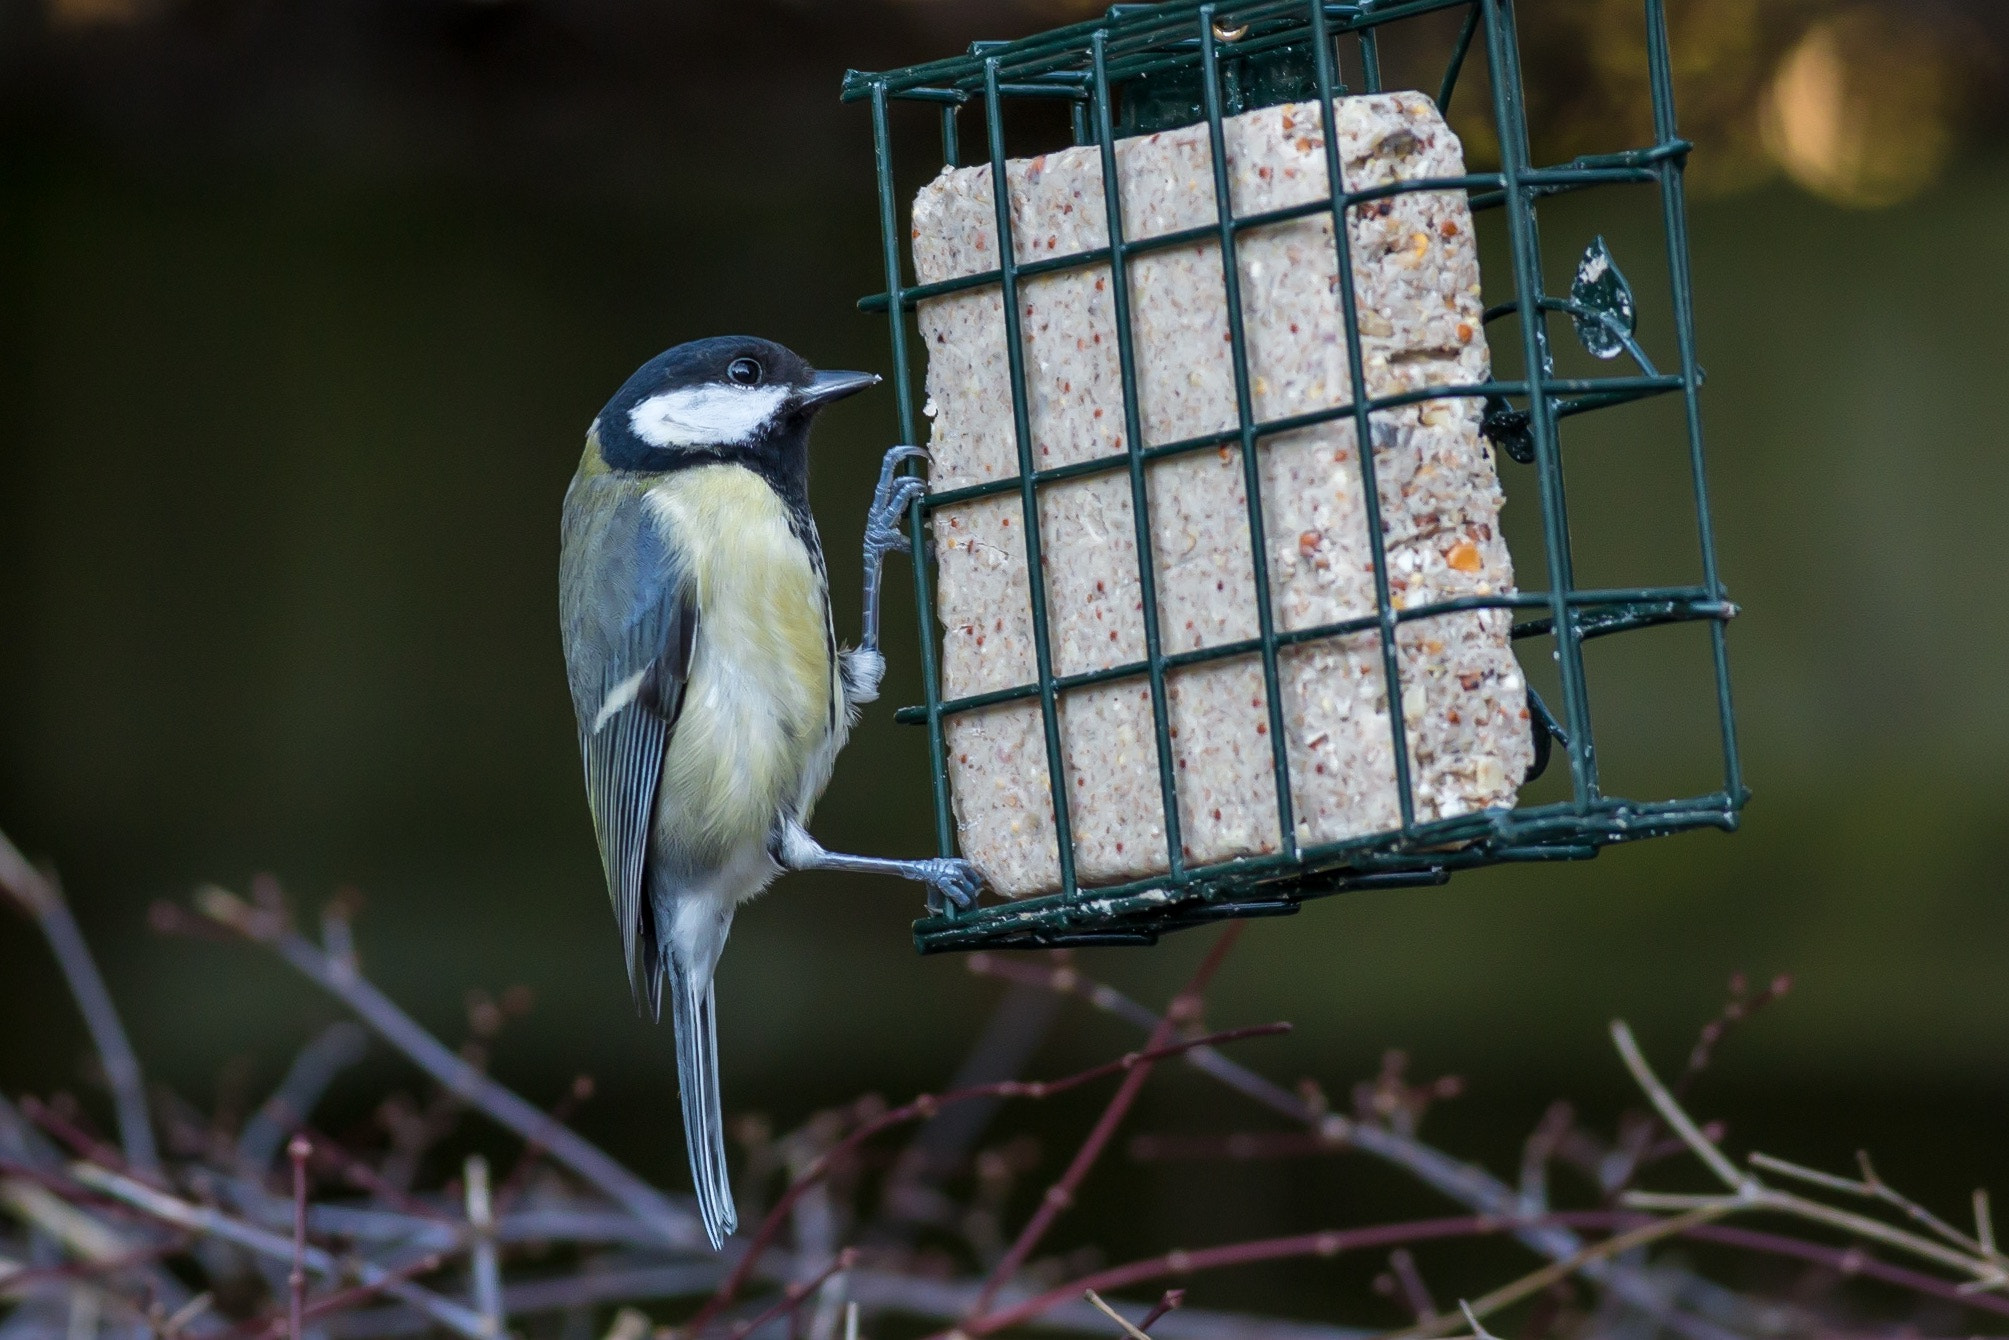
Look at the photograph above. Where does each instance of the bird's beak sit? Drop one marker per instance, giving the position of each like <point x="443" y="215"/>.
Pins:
<point x="825" y="387"/>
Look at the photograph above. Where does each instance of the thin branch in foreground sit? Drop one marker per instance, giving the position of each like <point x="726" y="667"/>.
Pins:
<point x="339" y="978"/>
<point x="1747" y="1192"/>
<point x="1463" y="1182"/>
<point x="298" y="1149"/>
<point x="41" y="898"/>
<point x="1122" y="1322"/>
<point x="1169" y="1300"/>
<point x="1409" y="1280"/>
<point x="926" y="1105"/>
<point x="202" y="1219"/>
<point x="1185" y="1009"/>
<point x="358" y="1294"/>
<point x="334" y="1049"/>
<point x="793" y="1296"/>
<point x="80" y="1141"/>
<point x="561" y="1113"/>
<point x="1671" y="1112"/>
<point x="1332" y="1242"/>
<point x="487" y="1262"/>
<point x="1536" y="1281"/>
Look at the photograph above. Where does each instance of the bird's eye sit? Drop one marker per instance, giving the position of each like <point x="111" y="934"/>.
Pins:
<point x="744" y="372"/>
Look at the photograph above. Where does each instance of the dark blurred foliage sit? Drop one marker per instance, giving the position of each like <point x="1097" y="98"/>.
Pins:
<point x="306" y="306"/>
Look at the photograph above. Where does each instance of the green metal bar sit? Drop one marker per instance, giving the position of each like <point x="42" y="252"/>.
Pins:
<point x="1245" y="415"/>
<point x="952" y="155"/>
<point x="1370" y="61"/>
<point x="1618" y="389"/>
<point x="1363" y="426"/>
<point x="1133" y="441"/>
<point x="1096" y="257"/>
<point x="1144" y="31"/>
<point x="903" y="395"/>
<point x="1063" y="827"/>
<point x="1630" y="609"/>
<point x="1575" y="309"/>
<point x="1458" y="52"/>
<point x="1139" y="911"/>
<point x="1674" y="214"/>
<point x="1503" y="65"/>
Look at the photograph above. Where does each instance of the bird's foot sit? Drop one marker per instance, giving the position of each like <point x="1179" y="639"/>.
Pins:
<point x="895" y="493"/>
<point x="950" y="879"/>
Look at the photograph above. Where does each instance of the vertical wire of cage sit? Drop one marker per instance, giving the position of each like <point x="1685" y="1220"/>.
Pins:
<point x="1102" y="70"/>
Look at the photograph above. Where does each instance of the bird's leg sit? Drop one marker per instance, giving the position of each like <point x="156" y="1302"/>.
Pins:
<point x="950" y="879"/>
<point x="883" y="534"/>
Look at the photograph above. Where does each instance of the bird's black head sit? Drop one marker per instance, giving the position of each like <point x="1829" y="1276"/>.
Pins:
<point x="734" y="398"/>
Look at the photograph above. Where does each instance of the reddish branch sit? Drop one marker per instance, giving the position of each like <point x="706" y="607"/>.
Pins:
<point x="298" y="1149"/>
<point x="80" y="1141"/>
<point x="562" y="1113"/>
<point x="1176" y="1263"/>
<point x="18" y="1283"/>
<point x="1842" y="1260"/>
<point x="1172" y="1298"/>
<point x="925" y="1106"/>
<point x="1185" y="1009"/>
<point x="331" y="1155"/>
<point x="351" y="1297"/>
<point x="791" y="1297"/>
<point x="39" y="895"/>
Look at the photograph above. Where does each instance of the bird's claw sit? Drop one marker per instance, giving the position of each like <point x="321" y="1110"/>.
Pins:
<point x="890" y="501"/>
<point x="895" y="458"/>
<point x="950" y="879"/>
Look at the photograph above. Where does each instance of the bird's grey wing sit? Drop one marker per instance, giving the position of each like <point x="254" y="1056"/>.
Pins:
<point x="630" y="623"/>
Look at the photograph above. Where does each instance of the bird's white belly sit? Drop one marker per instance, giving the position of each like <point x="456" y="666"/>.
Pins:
<point x="757" y="715"/>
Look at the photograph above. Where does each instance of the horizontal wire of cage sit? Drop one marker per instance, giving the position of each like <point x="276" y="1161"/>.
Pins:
<point x="1150" y="66"/>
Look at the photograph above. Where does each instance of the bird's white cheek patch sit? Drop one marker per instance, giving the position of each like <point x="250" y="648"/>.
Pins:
<point x="706" y="416"/>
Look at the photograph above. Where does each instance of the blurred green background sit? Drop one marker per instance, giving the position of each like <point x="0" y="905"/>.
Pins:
<point x="305" y="309"/>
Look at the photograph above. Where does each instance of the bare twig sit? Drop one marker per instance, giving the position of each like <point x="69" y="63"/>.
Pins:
<point x="41" y="899"/>
<point x="179" y="1320"/>
<point x="1740" y="1006"/>
<point x="1671" y="1112"/>
<point x="1402" y="1267"/>
<point x="203" y="1220"/>
<point x="334" y="1049"/>
<point x="526" y="1161"/>
<point x="338" y="977"/>
<point x="1170" y="1299"/>
<point x="1536" y="1281"/>
<point x="298" y="1149"/>
<point x="1122" y="1322"/>
<point x="80" y="1141"/>
<point x="1461" y="1181"/>
<point x="359" y="1293"/>
<point x="1749" y="1193"/>
<point x="1177" y="1263"/>
<point x="926" y="1106"/>
<point x="487" y="1263"/>
<point x="791" y="1297"/>
<point x="1185" y="1009"/>
<point x="1873" y="1187"/>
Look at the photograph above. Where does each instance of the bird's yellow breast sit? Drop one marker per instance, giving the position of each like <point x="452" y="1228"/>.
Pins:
<point x="758" y="705"/>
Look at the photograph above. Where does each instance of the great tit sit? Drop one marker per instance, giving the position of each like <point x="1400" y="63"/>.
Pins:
<point x="709" y="688"/>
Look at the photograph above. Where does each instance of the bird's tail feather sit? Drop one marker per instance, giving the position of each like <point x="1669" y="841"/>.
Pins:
<point x="692" y="1013"/>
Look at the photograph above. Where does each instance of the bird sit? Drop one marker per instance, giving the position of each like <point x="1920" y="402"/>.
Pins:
<point x="709" y="688"/>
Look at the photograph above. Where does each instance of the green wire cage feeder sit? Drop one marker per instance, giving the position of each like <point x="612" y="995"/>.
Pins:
<point x="1190" y="652"/>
